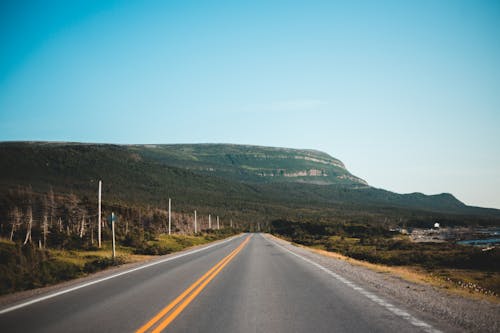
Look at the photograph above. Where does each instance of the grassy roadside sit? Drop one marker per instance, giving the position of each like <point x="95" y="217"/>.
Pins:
<point x="28" y="267"/>
<point x="463" y="282"/>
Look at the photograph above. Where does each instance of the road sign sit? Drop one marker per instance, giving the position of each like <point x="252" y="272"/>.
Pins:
<point x="112" y="218"/>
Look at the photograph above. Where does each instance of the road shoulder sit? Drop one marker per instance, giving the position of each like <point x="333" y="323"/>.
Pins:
<point x="26" y="295"/>
<point x="453" y="312"/>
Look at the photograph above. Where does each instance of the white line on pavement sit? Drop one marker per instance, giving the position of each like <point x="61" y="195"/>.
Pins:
<point x="401" y="313"/>
<point x="65" y="291"/>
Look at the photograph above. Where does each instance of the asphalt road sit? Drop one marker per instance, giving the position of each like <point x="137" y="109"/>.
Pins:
<point x="253" y="285"/>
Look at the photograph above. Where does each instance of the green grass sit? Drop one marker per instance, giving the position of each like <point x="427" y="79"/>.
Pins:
<point x="165" y="244"/>
<point x="467" y="267"/>
<point x="28" y="267"/>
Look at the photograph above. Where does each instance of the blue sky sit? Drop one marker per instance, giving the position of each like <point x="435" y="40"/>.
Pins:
<point x="405" y="93"/>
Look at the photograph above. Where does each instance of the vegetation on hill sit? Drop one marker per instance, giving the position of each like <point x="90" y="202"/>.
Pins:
<point x="197" y="176"/>
<point x="54" y="185"/>
<point x="48" y="199"/>
<point x="252" y="163"/>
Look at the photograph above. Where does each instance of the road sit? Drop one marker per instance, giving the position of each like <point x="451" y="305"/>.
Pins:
<point x="247" y="284"/>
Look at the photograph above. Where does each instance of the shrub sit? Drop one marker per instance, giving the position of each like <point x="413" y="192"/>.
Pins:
<point x="102" y="263"/>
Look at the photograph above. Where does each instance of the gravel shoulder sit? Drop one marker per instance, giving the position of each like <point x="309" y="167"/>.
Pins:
<point x="454" y="313"/>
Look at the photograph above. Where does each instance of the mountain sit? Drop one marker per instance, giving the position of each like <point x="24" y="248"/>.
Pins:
<point x="252" y="163"/>
<point x="250" y="182"/>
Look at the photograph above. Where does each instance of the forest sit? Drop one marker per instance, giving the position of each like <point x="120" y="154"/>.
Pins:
<point x="48" y="237"/>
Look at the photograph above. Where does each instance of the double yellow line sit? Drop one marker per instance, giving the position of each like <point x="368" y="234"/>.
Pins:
<point x="166" y="316"/>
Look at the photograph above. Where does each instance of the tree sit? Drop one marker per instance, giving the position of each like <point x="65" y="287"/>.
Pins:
<point x="82" y="229"/>
<point x="30" y="226"/>
<point x="51" y="205"/>
<point x="45" y="230"/>
<point x="16" y="216"/>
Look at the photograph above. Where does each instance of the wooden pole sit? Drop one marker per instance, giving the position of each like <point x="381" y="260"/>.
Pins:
<point x="113" y="231"/>
<point x="195" y="222"/>
<point x="209" y="222"/>
<point x="99" y="216"/>
<point x="169" y="215"/>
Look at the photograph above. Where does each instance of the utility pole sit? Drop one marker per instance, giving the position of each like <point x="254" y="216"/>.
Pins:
<point x="195" y="227"/>
<point x="169" y="215"/>
<point x="113" y="231"/>
<point x="231" y="223"/>
<point x="209" y="222"/>
<point x="99" y="216"/>
<point x="218" y="225"/>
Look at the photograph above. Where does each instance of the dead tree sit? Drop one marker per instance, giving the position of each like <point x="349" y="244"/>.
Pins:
<point x="30" y="226"/>
<point x="73" y="225"/>
<point x="15" y="221"/>
<point x="51" y="206"/>
<point x="45" y="230"/>
<point x="82" y="229"/>
<point x="91" y="226"/>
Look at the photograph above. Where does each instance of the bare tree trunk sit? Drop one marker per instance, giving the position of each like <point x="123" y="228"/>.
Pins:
<point x="60" y="224"/>
<point x="52" y="206"/>
<point x="126" y="228"/>
<point x="140" y="219"/>
<point x="16" y="218"/>
<point x="12" y="232"/>
<point x="82" y="229"/>
<point x="45" y="228"/>
<point x="91" y="226"/>
<point x="30" y="225"/>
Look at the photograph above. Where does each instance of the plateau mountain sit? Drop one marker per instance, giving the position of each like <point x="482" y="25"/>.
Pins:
<point x="249" y="182"/>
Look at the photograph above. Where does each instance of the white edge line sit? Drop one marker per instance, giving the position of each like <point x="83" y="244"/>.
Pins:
<point x="398" y="312"/>
<point x="65" y="291"/>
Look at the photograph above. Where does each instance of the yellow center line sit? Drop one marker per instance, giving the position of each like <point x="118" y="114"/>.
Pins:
<point x="201" y="282"/>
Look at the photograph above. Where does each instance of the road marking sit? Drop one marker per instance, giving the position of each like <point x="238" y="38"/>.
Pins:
<point x="398" y="312"/>
<point x="65" y="291"/>
<point x="189" y="295"/>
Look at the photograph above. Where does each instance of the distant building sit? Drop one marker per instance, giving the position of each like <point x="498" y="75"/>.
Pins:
<point x="436" y="225"/>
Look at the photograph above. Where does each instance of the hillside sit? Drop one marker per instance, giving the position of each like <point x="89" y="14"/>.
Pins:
<point x="247" y="182"/>
<point x="77" y="168"/>
<point x="252" y="163"/>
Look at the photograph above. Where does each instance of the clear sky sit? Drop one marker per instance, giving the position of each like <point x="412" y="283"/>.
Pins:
<point x="405" y="93"/>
